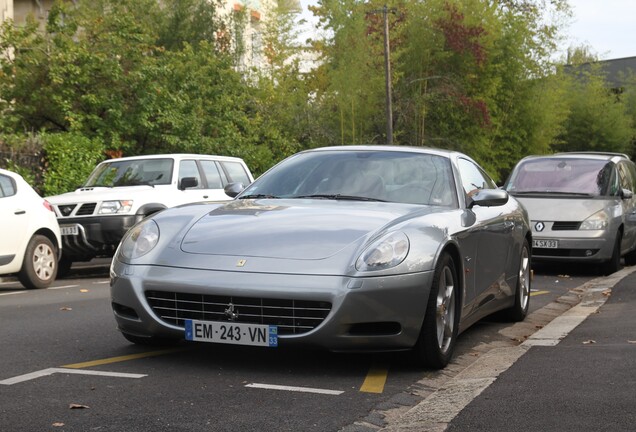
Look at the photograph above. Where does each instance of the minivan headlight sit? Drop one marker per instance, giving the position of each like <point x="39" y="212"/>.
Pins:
<point x="386" y="252"/>
<point x="140" y="240"/>
<point x="598" y="221"/>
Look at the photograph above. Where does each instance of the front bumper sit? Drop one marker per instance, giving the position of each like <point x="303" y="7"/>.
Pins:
<point x="592" y="250"/>
<point x="97" y="236"/>
<point x="367" y="314"/>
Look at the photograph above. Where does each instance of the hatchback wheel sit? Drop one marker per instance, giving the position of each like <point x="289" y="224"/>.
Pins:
<point x="40" y="263"/>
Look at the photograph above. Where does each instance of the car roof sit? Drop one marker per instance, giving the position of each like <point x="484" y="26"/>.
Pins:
<point x="177" y="156"/>
<point x="609" y="156"/>
<point x="390" y="148"/>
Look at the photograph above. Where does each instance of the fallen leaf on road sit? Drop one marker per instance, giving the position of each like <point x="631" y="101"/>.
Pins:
<point x="78" y="406"/>
<point x="607" y="293"/>
<point x="631" y="342"/>
<point x="66" y="308"/>
<point x="564" y="276"/>
<point x="588" y="342"/>
<point x="84" y="290"/>
<point x="538" y="326"/>
<point x="57" y="424"/>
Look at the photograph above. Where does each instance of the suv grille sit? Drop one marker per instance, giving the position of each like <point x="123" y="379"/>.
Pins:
<point x="86" y="209"/>
<point x="67" y="209"/>
<point x="291" y="316"/>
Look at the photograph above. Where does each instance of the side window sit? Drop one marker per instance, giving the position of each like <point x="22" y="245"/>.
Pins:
<point x="625" y="177"/>
<point x="236" y="172"/>
<point x="188" y="168"/>
<point x="473" y="178"/>
<point x="212" y="175"/>
<point x="7" y="186"/>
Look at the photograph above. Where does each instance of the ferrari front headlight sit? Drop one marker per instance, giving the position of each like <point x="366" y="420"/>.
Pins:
<point x="598" y="221"/>
<point x="140" y="240"/>
<point x="386" y="252"/>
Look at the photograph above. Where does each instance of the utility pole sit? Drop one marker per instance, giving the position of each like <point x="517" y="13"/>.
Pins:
<point x="387" y="73"/>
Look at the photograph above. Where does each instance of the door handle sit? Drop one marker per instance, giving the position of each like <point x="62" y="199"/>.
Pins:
<point x="19" y="212"/>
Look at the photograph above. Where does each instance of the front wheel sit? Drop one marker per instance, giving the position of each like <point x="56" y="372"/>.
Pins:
<point x="614" y="263"/>
<point x="519" y="310"/>
<point x="436" y="343"/>
<point x="40" y="263"/>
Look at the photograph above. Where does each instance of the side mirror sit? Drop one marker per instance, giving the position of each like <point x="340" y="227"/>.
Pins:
<point x="233" y="189"/>
<point x="488" y="198"/>
<point x="188" y="183"/>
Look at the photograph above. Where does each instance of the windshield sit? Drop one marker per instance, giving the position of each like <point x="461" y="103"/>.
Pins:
<point x="132" y="173"/>
<point x="404" y="177"/>
<point x="564" y="175"/>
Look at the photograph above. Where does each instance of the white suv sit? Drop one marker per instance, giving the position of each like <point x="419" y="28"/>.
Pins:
<point x="121" y="192"/>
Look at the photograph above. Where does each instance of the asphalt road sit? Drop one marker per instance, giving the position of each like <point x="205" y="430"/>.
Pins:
<point x="64" y="367"/>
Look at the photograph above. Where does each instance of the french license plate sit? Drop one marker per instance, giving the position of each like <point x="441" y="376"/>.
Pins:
<point x="231" y="333"/>
<point x="69" y="230"/>
<point x="545" y="244"/>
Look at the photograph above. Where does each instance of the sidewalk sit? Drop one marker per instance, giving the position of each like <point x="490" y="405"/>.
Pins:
<point x="577" y="373"/>
<point x="584" y="382"/>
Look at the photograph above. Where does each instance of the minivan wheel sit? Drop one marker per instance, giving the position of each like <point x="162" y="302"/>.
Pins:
<point x="614" y="263"/>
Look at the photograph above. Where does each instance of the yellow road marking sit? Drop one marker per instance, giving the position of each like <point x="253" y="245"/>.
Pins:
<point x="539" y="293"/>
<point x="121" y="358"/>
<point x="375" y="380"/>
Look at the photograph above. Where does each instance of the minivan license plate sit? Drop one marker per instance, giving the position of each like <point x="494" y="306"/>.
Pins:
<point x="231" y="333"/>
<point x="545" y="244"/>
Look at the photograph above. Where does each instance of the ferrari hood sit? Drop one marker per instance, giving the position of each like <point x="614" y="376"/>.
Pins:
<point x="288" y="229"/>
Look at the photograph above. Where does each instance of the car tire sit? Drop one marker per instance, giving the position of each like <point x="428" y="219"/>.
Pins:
<point x="630" y="258"/>
<point x="39" y="267"/>
<point x="150" y="340"/>
<point x="438" y="335"/>
<point x="614" y="263"/>
<point x="64" y="267"/>
<point x="519" y="310"/>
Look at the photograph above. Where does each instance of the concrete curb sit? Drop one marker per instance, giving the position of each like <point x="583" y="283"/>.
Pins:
<point x="544" y="327"/>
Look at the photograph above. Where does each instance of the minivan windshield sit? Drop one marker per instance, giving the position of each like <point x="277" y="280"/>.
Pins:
<point x="590" y="177"/>
<point x="133" y="172"/>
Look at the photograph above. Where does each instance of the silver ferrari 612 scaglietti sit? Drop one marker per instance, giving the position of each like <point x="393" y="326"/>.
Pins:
<point x="347" y="248"/>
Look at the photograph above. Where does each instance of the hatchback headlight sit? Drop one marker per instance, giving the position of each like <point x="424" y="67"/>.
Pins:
<point x="598" y="221"/>
<point x="386" y="252"/>
<point x="140" y="240"/>
<point x="112" y="207"/>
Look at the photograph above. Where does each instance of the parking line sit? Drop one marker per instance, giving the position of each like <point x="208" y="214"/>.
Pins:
<point x="122" y="358"/>
<point x="295" y="389"/>
<point x="62" y="287"/>
<point x="536" y="293"/>
<point x="13" y="293"/>
<point x="51" y="371"/>
<point x="375" y="380"/>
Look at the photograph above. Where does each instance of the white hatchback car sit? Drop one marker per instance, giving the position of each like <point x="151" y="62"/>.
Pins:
<point x="31" y="241"/>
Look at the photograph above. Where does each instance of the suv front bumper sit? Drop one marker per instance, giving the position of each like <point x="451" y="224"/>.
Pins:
<point x="96" y="236"/>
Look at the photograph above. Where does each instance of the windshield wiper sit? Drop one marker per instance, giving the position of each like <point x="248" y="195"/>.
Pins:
<point x="339" y="197"/>
<point x="257" y="196"/>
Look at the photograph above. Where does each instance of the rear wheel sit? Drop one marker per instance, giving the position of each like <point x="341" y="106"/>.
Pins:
<point x="438" y="336"/>
<point x="519" y="310"/>
<point x="40" y="263"/>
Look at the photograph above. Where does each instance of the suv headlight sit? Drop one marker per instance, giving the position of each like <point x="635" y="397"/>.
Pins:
<point x="112" y="207"/>
<point x="598" y="221"/>
<point x="386" y="252"/>
<point x="140" y="240"/>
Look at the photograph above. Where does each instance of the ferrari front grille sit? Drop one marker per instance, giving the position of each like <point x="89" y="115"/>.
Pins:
<point x="292" y="317"/>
